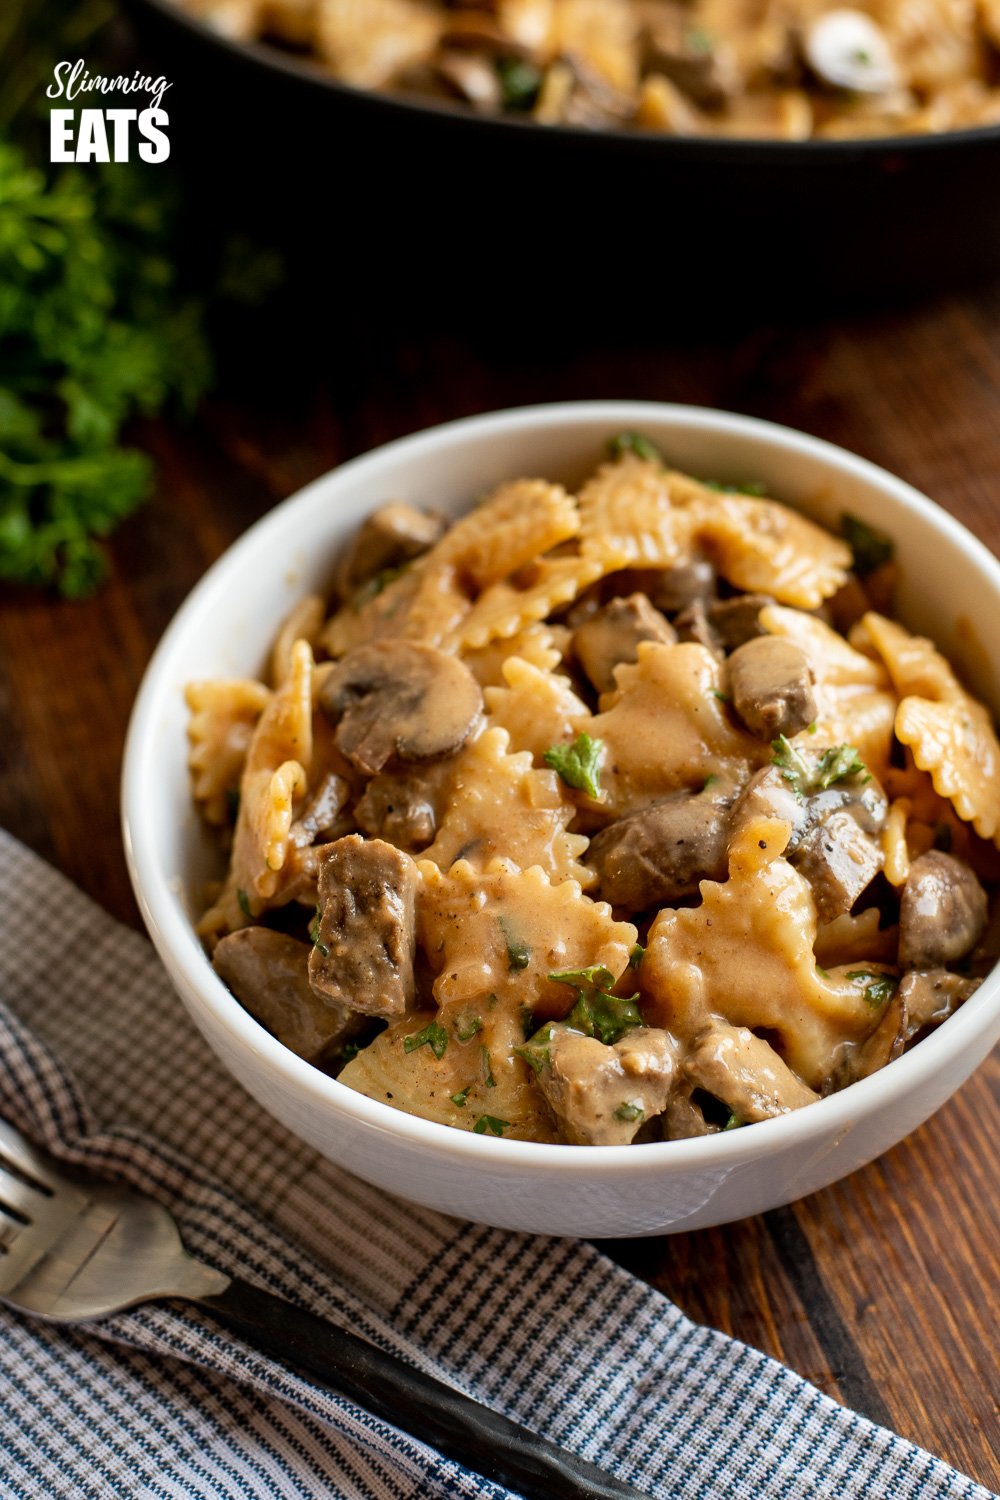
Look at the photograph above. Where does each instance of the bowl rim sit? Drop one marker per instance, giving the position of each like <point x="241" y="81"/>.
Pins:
<point x="174" y="937"/>
<point x="742" y="150"/>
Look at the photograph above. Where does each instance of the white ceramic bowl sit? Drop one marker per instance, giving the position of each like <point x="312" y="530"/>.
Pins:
<point x="950" y="589"/>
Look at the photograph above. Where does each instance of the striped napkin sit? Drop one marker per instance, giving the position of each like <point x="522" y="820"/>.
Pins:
<point x="101" y="1065"/>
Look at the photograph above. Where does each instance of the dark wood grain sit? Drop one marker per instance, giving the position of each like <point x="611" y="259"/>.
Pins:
<point x="882" y="1289"/>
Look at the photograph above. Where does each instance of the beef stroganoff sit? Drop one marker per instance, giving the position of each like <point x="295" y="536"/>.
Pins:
<point x="602" y="818"/>
<point x="778" y="69"/>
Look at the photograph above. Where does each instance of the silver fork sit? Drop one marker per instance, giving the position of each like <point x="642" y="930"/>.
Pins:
<point x="73" y="1249"/>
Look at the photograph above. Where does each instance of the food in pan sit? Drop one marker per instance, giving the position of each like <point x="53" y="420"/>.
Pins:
<point x="601" y="818"/>
<point x="781" y="69"/>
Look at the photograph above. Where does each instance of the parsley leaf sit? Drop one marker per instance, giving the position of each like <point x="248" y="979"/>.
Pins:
<point x="433" y="1036"/>
<point x="596" y="1012"/>
<point x="537" y="1049"/>
<point x="630" y="1112"/>
<point x="838" y="763"/>
<point x="881" y="988"/>
<point x="459" y="1099"/>
<point x="579" y="764"/>
<point x="520" y="82"/>
<point x="487" y="1068"/>
<point x="317" y="942"/>
<point x="518" y="952"/>
<point x="244" y="901"/>
<point x="734" y="1122"/>
<point x="753" y="488"/>
<point x="491" y="1123"/>
<point x="871" y="547"/>
<point x="634" y="442"/>
<point x="468" y="1027"/>
<point x="636" y="956"/>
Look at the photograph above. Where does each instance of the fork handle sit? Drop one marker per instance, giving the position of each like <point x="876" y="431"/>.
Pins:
<point x="457" y="1426"/>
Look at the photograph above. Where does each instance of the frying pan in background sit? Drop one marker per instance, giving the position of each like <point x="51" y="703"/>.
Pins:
<point x="404" y="201"/>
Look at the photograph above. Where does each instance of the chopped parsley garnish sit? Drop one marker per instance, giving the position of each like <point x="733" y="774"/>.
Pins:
<point x="527" y="1019"/>
<point x="871" y="547"/>
<point x="518" y="951"/>
<point x="433" y="1036"/>
<point x="630" y="1112"/>
<point x="838" y="763"/>
<point x="459" y="1099"/>
<point x="490" y="1123"/>
<point x="636" y="956"/>
<point x="734" y="1122"/>
<point x="634" y="442"/>
<point x="722" y="697"/>
<point x="468" y="1027"/>
<point x="598" y="1013"/>
<point x="579" y="764"/>
<point x="487" y="1068"/>
<point x="697" y="39"/>
<point x="317" y="941"/>
<point x="375" y="585"/>
<point x="879" y="988"/>
<point x="536" y="1051"/>
<point x="520" y="82"/>
<point x="351" y="1049"/>
<point x="244" y="901"/>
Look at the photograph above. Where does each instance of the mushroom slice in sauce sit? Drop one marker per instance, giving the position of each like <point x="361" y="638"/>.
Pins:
<point x="848" y="50"/>
<point x="400" y="701"/>
<point x="268" y="972"/>
<point x="661" y="853"/>
<point x="601" y="1095"/>
<point x="674" y="589"/>
<point x="771" y="684"/>
<point x="394" y="535"/>
<point x="400" y="808"/>
<point x="839" y="860"/>
<point x="930" y="996"/>
<point x="613" y="636"/>
<point x="883" y="1046"/>
<point x="745" y="1072"/>
<point x="943" y="911"/>
<point x="365" y="935"/>
<point x="736" y="621"/>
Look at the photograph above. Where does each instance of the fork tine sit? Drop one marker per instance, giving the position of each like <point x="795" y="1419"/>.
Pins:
<point x="24" y="1159"/>
<point x="23" y="1201"/>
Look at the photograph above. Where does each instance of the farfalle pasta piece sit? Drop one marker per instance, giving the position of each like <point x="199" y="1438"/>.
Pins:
<point x="376" y="612"/>
<point x="498" y="803"/>
<point x="510" y="528"/>
<point x="767" y="548"/>
<point x="505" y="609"/>
<point x="223" y="716"/>
<point x="666" y="728"/>
<point x="855" y="701"/>
<point x="627" y="518"/>
<point x="746" y="953"/>
<point x="542" y="645"/>
<point x="502" y="931"/>
<point x="949" y="733"/>
<point x="537" y="708"/>
<point x="303" y="623"/>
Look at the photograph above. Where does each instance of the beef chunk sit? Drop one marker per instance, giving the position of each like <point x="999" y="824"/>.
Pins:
<point x="674" y="589"/>
<point x="268" y="972"/>
<point x="601" y="1095"/>
<point x="613" y="636"/>
<point x="771" y="685"/>
<point x="943" y="912"/>
<point x="400" y="809"/>
<point x="737" y="620"/>
<point x="746" y="1073"/>
<point x="661" y="853"/>
<point x="366" y="940"/>
<point x="839" y="860"/>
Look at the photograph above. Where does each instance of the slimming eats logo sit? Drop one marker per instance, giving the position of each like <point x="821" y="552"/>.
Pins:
<point x="105" y="135"/>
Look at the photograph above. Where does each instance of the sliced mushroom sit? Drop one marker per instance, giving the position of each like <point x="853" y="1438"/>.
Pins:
<point x="839" y="860"/>
<point x="930" y="996"/>
<point x="268" y="972"/>
<point x="673" y="589"/>
<point x="848" y="50"/>
<point x="883" y="1046"/>
<point x="365" y="940"/>
<point x="723" y="624"/>
<point x="393" y="535"/>
<point x="323" y="817"/>
<point x="745" y="1072"/>
<point x="600" y="1095"/>
<point x="661" y="853"/>
<point x="613" y="636"/>
<point x="771" y="683"/>
<point x="400" y="701"/>
<point x="943" y="912"/>
<point x="400" y="808"/>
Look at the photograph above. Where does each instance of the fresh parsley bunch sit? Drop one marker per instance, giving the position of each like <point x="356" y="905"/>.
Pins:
<point x="92" y="331"/>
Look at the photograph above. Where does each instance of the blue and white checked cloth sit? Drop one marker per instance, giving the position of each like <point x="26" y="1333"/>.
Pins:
<point x="100" y="1064"/>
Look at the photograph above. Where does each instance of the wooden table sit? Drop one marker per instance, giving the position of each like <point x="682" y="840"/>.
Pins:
<point x="882" y="1289"/>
